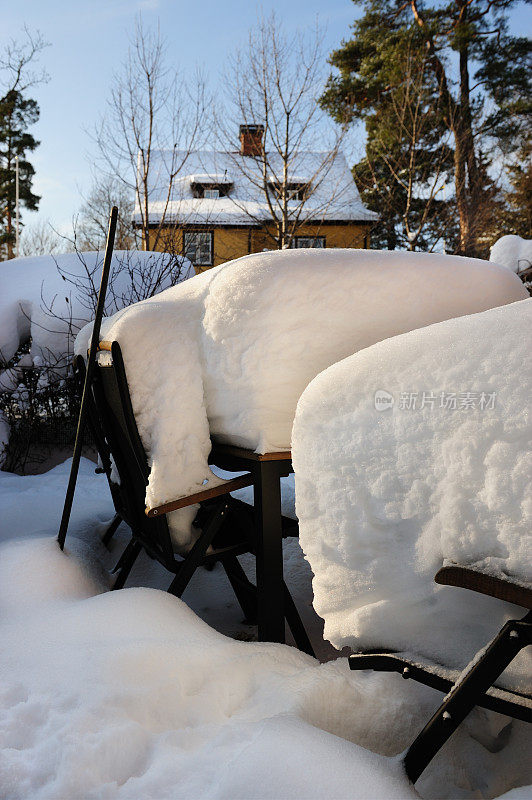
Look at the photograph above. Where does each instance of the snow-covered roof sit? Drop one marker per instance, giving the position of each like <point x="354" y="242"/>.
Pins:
<point x="206" y="177"/>
<point x="334" y="195"/>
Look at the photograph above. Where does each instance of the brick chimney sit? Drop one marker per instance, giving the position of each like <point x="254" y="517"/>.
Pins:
<point x="251" y="139"/>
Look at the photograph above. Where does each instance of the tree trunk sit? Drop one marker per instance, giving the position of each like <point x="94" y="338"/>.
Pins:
<point x="10" y="250"/>
<point x="468" y="241"/>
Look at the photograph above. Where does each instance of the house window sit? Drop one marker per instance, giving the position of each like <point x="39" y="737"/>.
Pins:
<point x="308" y="241"/>
<point x="210" y="190"/>
<point x="294" y="191"/>
<point x="198" y="247"/>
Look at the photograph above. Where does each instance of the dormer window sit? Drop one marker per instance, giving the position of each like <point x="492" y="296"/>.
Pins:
<point x="296" y="190"/>
<point x="210" y="187"/>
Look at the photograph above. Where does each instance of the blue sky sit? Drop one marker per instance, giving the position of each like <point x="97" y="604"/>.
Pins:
<point x="88" y="43"/>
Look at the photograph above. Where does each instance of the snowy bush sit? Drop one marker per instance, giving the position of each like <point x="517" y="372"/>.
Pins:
<point x="512" y="252"/>
<point x="44" y="301"/>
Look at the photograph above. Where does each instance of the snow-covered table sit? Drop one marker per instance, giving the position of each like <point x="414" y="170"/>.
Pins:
<point x="228" y="353"/>
<point x="388" y="493"/>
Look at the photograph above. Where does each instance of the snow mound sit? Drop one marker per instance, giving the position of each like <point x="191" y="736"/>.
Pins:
<point x="128" y="694"/>
<point x="512" y="252"/>
<point x="386" y="493"/>
<point x="229" y="352"/>
<point x="36" y="301"/>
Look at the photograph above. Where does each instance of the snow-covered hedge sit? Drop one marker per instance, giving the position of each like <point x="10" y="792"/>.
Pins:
<point x="45" y="300"/>
<point x="411" y="453"/>
<point x="49" y="298"/>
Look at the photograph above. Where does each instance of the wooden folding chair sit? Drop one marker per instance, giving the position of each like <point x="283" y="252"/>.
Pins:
<point x="478" y="683"/>
<point x="226" y="525"/>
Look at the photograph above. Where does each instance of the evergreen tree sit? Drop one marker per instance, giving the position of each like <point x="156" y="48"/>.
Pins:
<point x="16" y="115"/>
<point x="517" y="215"/>
<point x="475" y="86"/>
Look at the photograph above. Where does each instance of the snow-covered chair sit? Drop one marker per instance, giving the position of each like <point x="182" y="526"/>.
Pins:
<point x="479" y="683"/>
<point x="224" y="525"/>
<point x="124" y="461"/>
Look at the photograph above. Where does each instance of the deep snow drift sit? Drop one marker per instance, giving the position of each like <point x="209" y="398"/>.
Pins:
<point x="386" y="493"/>
<point x="36" y="301"/>
<point x="229" y="352"/>
<point x="129" y="695"/>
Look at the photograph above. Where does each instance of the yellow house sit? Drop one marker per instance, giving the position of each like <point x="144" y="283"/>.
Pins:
<point x="224" y="205"/>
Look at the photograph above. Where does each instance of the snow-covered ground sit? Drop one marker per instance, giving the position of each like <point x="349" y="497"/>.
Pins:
<point x="236" y="346"/>
<point x="130" y="695"/>
<point x="386" y="493"/>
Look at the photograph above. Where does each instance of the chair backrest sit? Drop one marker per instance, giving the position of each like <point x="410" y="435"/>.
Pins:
<point x="120" y="445"/>
<point x="94" y="424"/>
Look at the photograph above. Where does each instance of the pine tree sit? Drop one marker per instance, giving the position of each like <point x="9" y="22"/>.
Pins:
<point x="16" y="115"/>
<point x="475" y="79"/>
<point x="517" y="216"/>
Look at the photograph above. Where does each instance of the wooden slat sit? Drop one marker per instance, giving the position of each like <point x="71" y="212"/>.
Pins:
<point x="105" y="346"/>
<point x="502" y="588"/>
<point x="242" y="452"/>
<point x="206" y="494"/>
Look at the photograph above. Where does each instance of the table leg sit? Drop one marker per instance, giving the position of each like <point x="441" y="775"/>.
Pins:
<point x="270" y="587"/>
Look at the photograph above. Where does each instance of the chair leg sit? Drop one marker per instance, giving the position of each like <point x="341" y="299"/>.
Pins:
<point x="465" y="694"/>
<point x="111" y="530"/>
<point x="295" y="624"/>
<point x="245" y="591"/>
<point x="197" y="552"/>
<point x="125" y="563"/>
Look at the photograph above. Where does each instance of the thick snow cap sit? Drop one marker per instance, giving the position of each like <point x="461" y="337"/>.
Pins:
<point x="230" y="351"/>
<point x="512" y="252"/>
<point x="409" y="454"/>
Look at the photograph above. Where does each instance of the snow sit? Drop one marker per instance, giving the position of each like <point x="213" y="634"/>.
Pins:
<point x="29" y="285"/>
<point x="387" y="494"/>
<point x="512" y="252"/>
<point x="130" y="695"/>
<point x="334" y="196"/>
<point x="229" y="352"/>
<point x="206" y="177"/>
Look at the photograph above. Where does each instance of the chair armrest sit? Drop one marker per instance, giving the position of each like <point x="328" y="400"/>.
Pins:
<point x="503" y="588"/>
<point x="206" y="494"/>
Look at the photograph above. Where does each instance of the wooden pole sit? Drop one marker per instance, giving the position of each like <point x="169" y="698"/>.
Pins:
<point x="67" y="508"/>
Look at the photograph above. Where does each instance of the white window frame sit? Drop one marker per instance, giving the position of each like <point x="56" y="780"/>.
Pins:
<point x="211" y="194"/>
<point x="199" y="247"/>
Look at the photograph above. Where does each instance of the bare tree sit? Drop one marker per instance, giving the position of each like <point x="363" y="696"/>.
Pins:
<point x="273" y="86"/>
<point x="90" y="225"/>
<point x="41" y="239"/>
<point x="17" y="63"/>
<point x="150" y="110"/>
